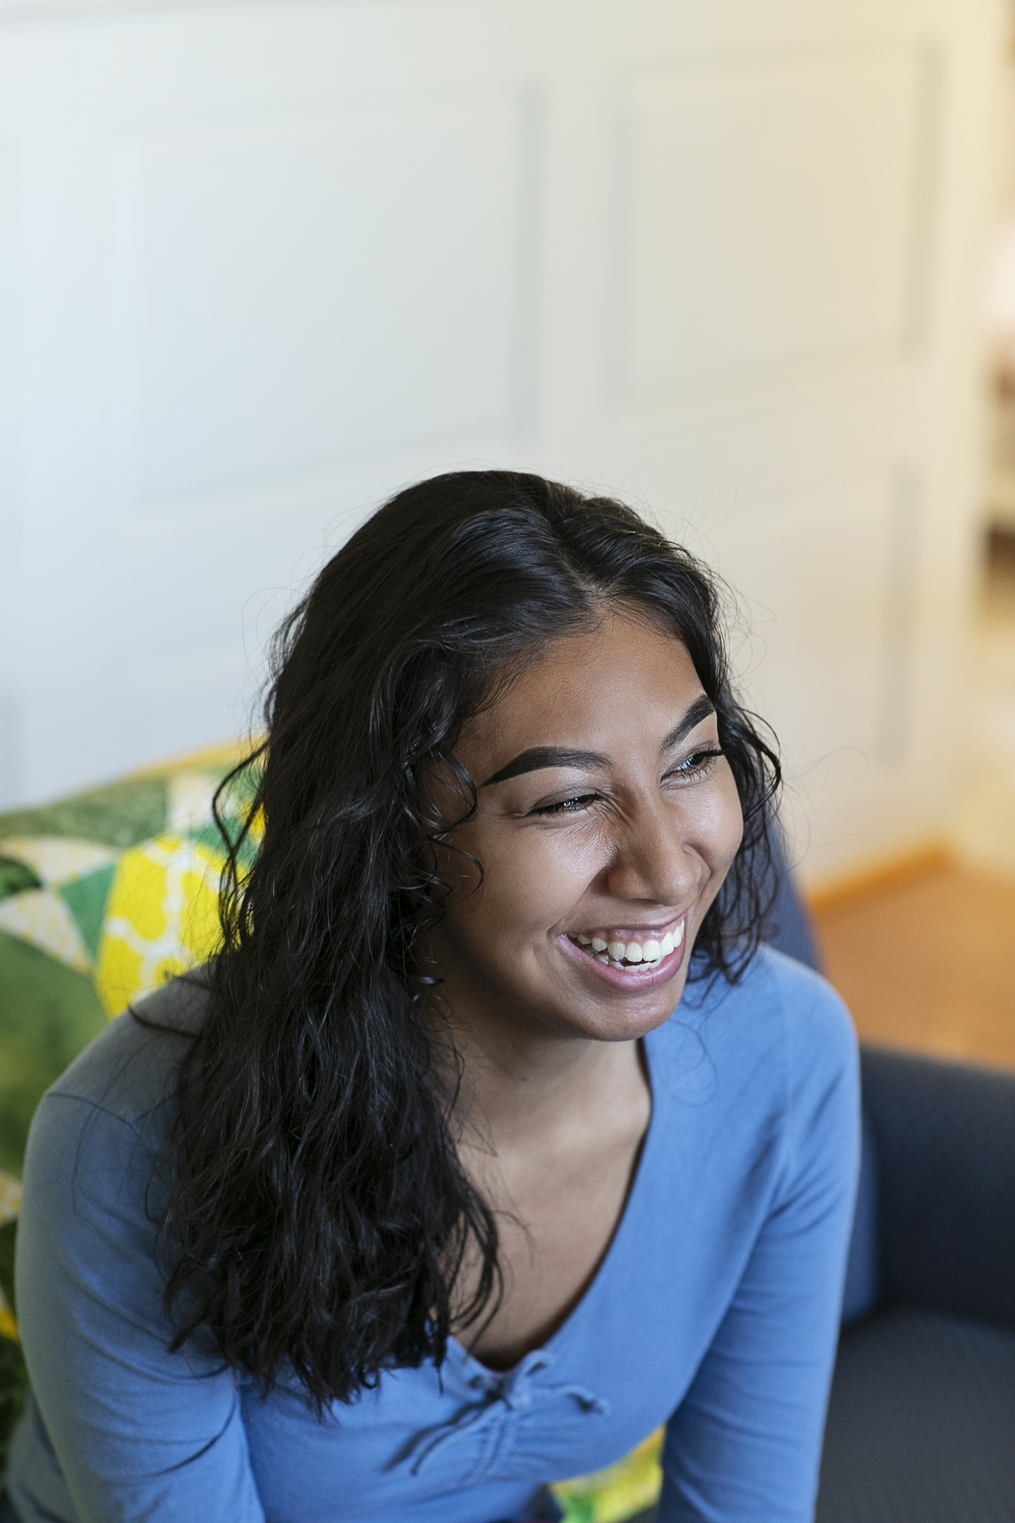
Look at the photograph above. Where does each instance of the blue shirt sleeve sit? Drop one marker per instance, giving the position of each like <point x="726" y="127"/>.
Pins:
<point x="137" y="1432"/>
<point x="744" y="1446"/>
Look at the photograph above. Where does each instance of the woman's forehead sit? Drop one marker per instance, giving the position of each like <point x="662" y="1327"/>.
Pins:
<point x="624" y="678"/>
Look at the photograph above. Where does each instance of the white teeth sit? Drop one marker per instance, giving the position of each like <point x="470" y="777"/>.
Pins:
<point x="616" y="953"/>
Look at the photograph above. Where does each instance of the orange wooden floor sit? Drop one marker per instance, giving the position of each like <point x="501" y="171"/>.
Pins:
<point x="930" y="964"/>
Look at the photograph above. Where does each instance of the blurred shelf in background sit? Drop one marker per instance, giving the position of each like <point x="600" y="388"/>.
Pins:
<point x="983" y="828"/>
<point x="1000" y="495"/>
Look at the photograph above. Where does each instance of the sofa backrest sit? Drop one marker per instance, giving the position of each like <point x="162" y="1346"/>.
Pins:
<point x="790" y="931"/>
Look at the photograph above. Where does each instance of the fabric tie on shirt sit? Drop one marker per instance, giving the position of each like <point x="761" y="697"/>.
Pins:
<point x="499" y="1394"/>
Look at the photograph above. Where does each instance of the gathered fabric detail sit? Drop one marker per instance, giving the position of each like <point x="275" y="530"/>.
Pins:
<point x="497" y="1395"/>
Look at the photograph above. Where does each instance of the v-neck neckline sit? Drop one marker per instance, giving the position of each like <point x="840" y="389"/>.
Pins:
<point x="469" y="1361"/>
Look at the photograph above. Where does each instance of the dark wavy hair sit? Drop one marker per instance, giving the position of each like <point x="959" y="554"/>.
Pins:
<point x="319" y="1213"/>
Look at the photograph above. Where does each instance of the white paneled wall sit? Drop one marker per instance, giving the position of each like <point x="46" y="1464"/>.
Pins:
<point x="743" y="168"/>
<point x="261" y="263"/>
<point x="320" y="288"/>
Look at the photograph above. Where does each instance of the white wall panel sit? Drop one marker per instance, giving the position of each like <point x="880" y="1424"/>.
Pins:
<point x="772" y="211"/>
<point x="298" y="292"/>
<point x="262" y="263"/>
<point x="11" y="699"/>
<point x="10" y="348"/>
<point x="171" y="705"/>
<point x="822" y="577"/>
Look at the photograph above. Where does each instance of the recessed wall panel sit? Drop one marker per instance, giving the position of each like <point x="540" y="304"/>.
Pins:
<point x="298" y="293"/>
<point x="185" y="703"/>
<point x="826" y="583"/>
<point x="11" y="750"/>
<point x="11" y="295"/>
<point x="771" y="212"/>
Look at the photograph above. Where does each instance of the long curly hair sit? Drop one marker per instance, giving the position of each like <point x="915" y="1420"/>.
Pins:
<point x="319" y="1213"/>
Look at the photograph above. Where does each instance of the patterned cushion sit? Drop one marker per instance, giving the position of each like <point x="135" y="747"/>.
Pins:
<point x="624" y="1491"/>
<point x="102" y="897"/>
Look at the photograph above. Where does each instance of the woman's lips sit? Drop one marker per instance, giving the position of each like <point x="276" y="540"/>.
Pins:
<point x="637" y="977"/>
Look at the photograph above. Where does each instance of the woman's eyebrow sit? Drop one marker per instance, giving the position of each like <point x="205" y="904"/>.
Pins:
<point x="546" y="756"/>
<point x="538" y="757"/>
<point x="700" y="709"/>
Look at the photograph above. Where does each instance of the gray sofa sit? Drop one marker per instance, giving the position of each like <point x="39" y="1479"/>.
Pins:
<point x="921" y="1423"/>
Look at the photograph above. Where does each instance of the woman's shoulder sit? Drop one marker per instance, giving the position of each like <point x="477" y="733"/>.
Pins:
<point x="813" y="1015"/>
<point x="763" y="1068"/>
<point x="101" y="1135"/>
<point x="778" y="1012"/>
<point x="130" y="1069"/>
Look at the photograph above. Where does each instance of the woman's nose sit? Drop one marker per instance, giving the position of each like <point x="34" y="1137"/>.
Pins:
<point x="653" y="858"/>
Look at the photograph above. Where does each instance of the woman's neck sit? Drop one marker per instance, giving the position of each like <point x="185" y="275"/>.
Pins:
<point x="523" y="1090"/>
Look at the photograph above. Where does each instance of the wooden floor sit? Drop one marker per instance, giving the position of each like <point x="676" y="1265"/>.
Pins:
<point x="929" y="965"/>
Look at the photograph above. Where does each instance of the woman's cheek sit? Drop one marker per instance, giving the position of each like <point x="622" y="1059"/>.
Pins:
<point x="719" y="826"/>
<point x="543" y="878"/>
<point x="575" y="860"/>
<point x="734" y="815"/>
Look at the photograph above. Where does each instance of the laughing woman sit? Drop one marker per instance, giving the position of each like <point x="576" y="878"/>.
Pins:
<point x="493" y="1138"/>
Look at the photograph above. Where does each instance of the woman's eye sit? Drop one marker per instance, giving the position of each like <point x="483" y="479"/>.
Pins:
<point x="573" y="805"/>
<point x="697" y="763"/>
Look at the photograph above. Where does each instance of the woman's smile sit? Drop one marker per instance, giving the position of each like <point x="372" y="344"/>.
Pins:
<point x="644" y="958"/>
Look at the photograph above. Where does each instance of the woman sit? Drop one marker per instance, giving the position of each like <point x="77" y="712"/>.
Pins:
<point x="492" y="1139"/>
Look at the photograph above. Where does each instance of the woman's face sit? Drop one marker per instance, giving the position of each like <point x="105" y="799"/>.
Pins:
<point x="607" y="821"/>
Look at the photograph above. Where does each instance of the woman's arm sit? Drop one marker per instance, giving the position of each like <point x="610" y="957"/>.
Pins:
<point x="137" y="1432"/>
<point x="745" y="1444"/>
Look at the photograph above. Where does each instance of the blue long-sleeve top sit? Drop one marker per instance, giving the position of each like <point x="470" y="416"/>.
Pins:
<point x="715" y="1309"/>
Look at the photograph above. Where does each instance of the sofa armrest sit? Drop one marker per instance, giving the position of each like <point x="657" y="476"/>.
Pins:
<point x="945" y="1135"/>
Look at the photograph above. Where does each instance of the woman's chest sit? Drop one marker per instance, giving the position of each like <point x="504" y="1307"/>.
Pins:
<point x="555" y="1224"/>
<point x="469" y="1442"/>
